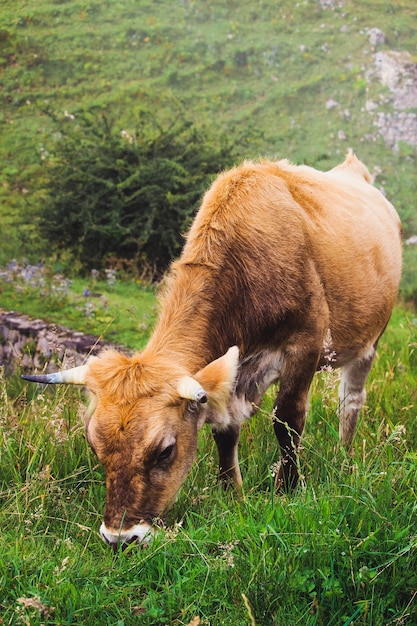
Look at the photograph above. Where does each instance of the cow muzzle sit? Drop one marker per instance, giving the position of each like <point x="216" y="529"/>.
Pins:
<point x="141" y="533"/>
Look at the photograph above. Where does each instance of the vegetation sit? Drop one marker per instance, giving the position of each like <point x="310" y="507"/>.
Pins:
<point x="341" y="550"/>
<point x="122" y="312"/>
<point x="261" y="75"/>
<point x="108" y="304"/>
<point x="223" y="80"/>
<point x="124" y="197"/>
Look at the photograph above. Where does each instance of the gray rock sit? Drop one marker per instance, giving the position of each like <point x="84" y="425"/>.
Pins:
<point x="376" y="36"/>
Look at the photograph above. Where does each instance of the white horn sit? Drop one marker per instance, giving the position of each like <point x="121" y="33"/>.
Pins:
<point x="190" y="389"/>
<point x="74" y="376"/>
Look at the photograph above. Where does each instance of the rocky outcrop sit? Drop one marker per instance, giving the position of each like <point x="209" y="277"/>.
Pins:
<point x="35" y="345"/>
<point x="397" y="71"/>
<point x="396" y="123"/>
<point x="331" y="4"/>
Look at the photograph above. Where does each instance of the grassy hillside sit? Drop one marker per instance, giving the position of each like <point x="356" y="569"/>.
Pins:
<point x="121" y="312"/>
<point x="341" y="551"/>
<point x="295" y="77"/>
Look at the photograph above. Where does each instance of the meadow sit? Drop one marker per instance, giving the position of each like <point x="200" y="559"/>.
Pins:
<point x="290" y="80"/>
<point x="342" y="549"/>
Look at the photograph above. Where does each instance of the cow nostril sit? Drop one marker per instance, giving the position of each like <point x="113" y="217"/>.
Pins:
<point x="123" y="544"/>
<point x="120" y="542"/>
<point x="127" y="541"/>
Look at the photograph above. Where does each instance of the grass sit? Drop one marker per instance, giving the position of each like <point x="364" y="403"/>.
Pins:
<point x="122" y="312"/>
<point x="341" y="550"/>
<point x="258" y="70"/>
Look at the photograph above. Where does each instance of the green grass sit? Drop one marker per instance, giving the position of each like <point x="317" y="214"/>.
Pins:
<point x="124" y="312"/>
<point x="261" y="72"/>
<point x="121" y="313"/>
<point x="341" y="550"/>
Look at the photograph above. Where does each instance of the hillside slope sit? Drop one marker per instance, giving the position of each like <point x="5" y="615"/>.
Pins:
<point x="306" y="80"/>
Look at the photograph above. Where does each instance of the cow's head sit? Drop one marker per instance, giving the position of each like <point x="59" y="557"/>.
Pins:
<point x="142" y="424"/>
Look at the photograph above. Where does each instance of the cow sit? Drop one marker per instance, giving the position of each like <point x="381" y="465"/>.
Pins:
<point x="284" y="267"/>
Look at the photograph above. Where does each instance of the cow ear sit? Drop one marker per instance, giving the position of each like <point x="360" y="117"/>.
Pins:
<point x="218" y="378"/>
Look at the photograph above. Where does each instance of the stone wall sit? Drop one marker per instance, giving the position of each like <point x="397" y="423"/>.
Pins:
<point x="34" y="345"/>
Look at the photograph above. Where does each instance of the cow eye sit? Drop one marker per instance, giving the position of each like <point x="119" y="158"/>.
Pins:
<point x="166" y="453"/>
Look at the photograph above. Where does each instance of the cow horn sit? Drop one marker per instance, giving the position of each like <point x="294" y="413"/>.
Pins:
<point x="190" y="389"/>
<point x="74" y="376"/>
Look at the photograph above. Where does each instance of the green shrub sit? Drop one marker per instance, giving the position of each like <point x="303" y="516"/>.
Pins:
<point x="126" y="194"/>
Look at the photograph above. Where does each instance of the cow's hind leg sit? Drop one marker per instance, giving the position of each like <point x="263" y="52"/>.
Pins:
<point x="352" y="394"/>
<point x="227" y="444"/>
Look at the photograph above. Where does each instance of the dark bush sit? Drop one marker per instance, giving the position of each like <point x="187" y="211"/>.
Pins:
<point x="126" y="194"/>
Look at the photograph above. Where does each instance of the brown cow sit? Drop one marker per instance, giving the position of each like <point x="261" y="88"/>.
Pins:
<point x="282" y="267"/>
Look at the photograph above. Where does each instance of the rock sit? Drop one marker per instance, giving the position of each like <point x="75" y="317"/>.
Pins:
<point x="396" y="127"/>
<point x="396" y="71"/>
<point x="43" y="347"/>
<point x="331" y="4"/>
<point x="35" y="345"/>
<point x="376" y="36"/>
<point x="332" y="104"/>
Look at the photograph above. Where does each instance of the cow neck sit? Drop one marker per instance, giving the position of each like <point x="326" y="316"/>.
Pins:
<point x="182" y="332"/>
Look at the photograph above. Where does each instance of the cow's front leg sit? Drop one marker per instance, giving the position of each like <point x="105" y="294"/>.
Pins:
<point x="227" y="441"/>
<point x="290" y="414"/>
